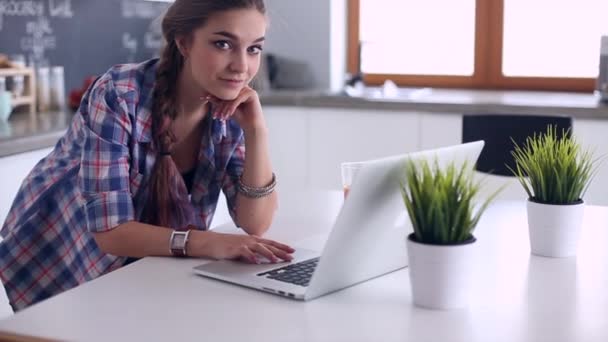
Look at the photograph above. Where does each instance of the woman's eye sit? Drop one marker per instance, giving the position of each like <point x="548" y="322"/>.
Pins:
<point x="254" y="50"/>
<point x="222" y="44"/>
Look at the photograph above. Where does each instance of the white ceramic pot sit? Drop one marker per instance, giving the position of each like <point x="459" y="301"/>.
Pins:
<point x="555" y="229"/>
<point x="441" y="275"/>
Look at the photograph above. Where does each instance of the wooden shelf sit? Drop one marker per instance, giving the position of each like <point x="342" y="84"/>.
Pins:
<point x="9" y="72"/>
<point x="29" y="88"/>
<point x="17" y="101"/>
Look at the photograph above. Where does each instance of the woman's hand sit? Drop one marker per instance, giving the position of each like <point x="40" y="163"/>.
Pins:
<point x="232" y="246"/>
<point x="245" y="108"/>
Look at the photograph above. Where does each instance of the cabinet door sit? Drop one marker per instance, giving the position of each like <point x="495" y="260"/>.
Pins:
<point x="287" y="140"/>
<point x="592" y="134"/>
<point x="288" y="144"/>
<point x="339" y="135"/>
<point x="13" y="170"/>
<point x="440" y="130"/>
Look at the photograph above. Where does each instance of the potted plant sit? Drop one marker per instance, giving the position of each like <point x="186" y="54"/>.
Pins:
<point x="555" y="172"/>
<point x="441" y="207"/>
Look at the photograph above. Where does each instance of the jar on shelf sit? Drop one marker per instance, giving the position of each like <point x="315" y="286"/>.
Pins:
<point x="6" y="105"/>
<point x="57" y="85"/>
<point x="43" y="89"/>
<point x="17" y="84"/>
<point x="18" y="61"/>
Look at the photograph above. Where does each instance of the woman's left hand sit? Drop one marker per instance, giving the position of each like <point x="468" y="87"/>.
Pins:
<point x="245" y="108"/>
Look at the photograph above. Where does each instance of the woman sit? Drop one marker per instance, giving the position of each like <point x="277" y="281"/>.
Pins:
<point x="140" y="169"/>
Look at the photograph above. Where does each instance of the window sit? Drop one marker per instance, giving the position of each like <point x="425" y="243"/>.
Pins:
<point x="509" y="44"/>
<point x="411" y="39"/>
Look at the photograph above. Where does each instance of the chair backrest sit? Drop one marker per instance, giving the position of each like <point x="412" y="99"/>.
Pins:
<point x="500" y="130"/>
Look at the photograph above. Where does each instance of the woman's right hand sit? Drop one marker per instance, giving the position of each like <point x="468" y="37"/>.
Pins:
<point x="235" y="246"/>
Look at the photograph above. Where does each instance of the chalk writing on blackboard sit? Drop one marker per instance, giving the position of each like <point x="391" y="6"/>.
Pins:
<point x="59" y="32"/>
<point x="153" y="39"/>
<point x="61" y="8"/>
<point x="40" y="39"/>
<point x="20" y="8"/>
<point x="141" y="9"/>
<point x="129" y="43"/>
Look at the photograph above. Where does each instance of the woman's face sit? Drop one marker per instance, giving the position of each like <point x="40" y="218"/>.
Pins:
<point x="224" y="55"/>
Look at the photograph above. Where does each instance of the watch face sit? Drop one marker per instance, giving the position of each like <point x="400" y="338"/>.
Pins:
<point x="179" y="240"/>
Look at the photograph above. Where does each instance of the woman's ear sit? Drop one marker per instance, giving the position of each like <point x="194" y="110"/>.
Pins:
<point x="183" y="46"/>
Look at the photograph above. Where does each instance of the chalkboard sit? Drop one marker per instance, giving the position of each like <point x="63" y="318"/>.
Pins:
<point x="86" y="37"/>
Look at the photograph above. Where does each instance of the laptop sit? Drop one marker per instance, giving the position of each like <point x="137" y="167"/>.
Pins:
<point x="367" y="240"/>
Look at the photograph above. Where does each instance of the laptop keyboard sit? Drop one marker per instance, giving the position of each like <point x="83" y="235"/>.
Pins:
<point x="298" y="273"/>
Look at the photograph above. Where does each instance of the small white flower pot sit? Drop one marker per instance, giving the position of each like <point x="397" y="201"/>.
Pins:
<point x="441" y="275"/>
<point x="555" y="229"/>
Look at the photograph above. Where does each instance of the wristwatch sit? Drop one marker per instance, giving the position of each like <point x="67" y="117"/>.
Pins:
<point x="178" y="241"/>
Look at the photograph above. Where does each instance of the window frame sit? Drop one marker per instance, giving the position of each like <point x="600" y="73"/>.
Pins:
<point x="487" y="73"/>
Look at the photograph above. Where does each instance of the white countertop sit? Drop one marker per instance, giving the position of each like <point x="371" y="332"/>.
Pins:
<point x="460" y="101"/>
<point x="517" y="296"/>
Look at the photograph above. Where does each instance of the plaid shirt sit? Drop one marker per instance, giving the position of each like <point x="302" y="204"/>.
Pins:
<point x="94" y="180"/>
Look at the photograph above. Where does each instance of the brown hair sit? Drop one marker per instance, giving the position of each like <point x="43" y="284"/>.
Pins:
<point x="165" y="188"/>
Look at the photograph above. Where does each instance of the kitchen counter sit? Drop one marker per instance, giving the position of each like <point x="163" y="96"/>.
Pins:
<point x="24" y="132"/>
<point x="459" y="101"/>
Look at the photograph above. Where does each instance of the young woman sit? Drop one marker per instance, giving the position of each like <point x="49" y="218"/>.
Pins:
<point x="140" y="169"/>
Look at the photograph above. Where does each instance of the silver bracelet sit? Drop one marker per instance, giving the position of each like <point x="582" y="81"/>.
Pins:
<point x="257" y="192"/>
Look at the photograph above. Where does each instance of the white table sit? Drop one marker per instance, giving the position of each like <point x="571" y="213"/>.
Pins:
<point x="517" y="297"/>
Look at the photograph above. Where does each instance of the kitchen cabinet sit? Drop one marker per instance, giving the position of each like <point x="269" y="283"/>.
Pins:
<point x="339" y="135"/>
<point x="307" y="144"/>
<point x="592" y="135"/>
<point x="288" y="140"/>
<point x="439" y="129"/>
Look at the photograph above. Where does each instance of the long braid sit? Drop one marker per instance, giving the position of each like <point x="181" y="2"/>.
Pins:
<point x="165" y="189"/>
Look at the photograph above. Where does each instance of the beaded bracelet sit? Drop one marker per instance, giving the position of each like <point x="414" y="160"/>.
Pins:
<point x="257" y="192"/>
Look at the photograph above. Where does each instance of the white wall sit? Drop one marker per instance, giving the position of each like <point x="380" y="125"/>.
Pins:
<point x="338" y="43"/>
<point x="313" y="32"/>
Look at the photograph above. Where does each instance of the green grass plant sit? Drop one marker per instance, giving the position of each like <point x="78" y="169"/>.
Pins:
<point x="553" y="169"/>
<point x="440" y="201"/>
